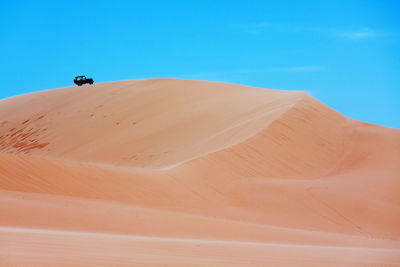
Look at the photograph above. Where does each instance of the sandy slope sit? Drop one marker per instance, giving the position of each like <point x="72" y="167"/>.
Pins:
<point x="146" y="123"/>
<point x="182" y="172"/>
<point x="74" y="248"/>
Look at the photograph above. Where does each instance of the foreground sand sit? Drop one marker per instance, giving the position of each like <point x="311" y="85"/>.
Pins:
<point x="190" y="173"/>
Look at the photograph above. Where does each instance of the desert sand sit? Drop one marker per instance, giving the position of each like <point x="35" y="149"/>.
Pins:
<point x="167" y="172"/>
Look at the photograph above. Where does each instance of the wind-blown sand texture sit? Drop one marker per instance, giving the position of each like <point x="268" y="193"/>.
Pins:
<point x="188" y="173"/>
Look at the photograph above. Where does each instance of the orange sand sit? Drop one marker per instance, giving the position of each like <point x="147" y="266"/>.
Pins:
<point x="190" y="173"/>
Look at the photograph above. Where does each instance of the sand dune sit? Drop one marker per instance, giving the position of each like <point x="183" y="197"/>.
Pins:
<point x="147" y="123"/>
<point x="181" y="172"/>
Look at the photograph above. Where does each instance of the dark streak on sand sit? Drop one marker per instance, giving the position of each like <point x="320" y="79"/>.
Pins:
<point x="22" y="140"/>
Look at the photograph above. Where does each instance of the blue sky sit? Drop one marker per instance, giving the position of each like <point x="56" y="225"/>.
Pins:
<point x="344" y="53"/>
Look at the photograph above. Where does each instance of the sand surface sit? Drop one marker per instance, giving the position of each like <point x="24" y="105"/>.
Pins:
<point x="166" y="172"/>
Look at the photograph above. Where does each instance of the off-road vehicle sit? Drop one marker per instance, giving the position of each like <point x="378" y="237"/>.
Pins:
<point x="79" y="80"/>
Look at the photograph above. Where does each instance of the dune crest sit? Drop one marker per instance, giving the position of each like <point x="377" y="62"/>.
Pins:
<point x="147" y="123"/>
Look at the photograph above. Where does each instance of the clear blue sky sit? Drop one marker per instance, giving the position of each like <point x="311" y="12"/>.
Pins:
<point x="344" y="53"/>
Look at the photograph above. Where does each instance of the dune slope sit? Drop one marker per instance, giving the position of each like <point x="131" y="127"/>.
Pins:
<point x="146" y="123"/>
<point x="166" y="168"/>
